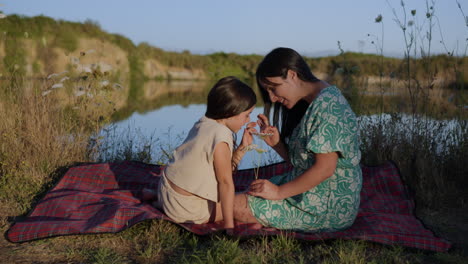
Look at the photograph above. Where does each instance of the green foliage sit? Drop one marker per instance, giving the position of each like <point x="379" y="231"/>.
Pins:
<point x="67" y="38"/>
<point x="15" y="58"/>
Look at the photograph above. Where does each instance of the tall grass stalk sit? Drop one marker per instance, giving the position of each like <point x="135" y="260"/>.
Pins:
<point x="435" y="176"/>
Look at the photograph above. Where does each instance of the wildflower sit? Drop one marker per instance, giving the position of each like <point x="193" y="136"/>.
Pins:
<point x="2" y="16"/>
<point x="57" y="85"/>
<point x="56" y="75"/>
<point x="79" y="93"/>
<point x="251" y="147"/>
<point x="74" y="60"/>
<point x="104" y="83"/>
<point x="378" y="19"/>
<point x="260" y="150"/>
<point x="52" y="75"/>
<point x="87" y="69"/>
<point x="117" y="86"/>
<point x="262" y="135"/>
<point x="46" y="92"/>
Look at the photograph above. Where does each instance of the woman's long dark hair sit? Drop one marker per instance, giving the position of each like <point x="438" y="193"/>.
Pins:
<point x="276" y="64"/>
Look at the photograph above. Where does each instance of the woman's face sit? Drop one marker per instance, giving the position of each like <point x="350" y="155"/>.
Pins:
<point x="285" y="91"/>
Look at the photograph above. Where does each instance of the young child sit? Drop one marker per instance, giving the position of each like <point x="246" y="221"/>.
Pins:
<point x="197" y="185"/>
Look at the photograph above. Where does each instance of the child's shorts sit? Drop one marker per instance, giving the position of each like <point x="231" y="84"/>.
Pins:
<point x="182" y="208"/>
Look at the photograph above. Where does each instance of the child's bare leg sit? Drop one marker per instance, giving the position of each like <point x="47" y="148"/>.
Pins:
<point x="242" y="211"/>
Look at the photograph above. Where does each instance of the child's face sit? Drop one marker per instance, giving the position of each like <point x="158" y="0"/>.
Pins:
<point x="235" y="123"/>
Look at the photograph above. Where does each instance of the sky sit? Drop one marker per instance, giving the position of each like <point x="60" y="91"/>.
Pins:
<point x="311" y="27"/>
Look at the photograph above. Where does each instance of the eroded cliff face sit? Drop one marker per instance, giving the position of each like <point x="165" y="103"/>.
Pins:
<point x="102" y="64"/>
<point x="41" y="60"/>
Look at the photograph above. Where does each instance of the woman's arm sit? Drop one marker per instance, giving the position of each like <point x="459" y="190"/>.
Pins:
<point x="324" y="167"/>
<point x="223" y="172"/>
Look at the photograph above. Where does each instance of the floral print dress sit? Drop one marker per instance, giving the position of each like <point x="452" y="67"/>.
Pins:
<point x="329" y="125"/>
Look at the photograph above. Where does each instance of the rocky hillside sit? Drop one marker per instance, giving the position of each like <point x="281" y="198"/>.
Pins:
<point x="35" y="47"/>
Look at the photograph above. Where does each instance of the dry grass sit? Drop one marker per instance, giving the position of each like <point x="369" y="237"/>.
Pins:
<point x="41" y="137"/>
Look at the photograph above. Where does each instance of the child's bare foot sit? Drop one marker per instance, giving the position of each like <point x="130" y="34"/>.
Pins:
<point x="256" y="226"/>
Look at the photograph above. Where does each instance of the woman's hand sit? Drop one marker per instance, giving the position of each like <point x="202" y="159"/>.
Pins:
<point x="265" y="127"/>
<point x="265" y="189"/>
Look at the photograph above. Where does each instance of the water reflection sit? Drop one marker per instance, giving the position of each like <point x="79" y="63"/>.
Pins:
<point x="155" y="94"/>
<point x="166" y="127"/>
<point x="160" y="119"/>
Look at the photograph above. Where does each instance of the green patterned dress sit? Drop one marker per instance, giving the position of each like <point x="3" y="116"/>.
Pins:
<point x="329" y="125"/>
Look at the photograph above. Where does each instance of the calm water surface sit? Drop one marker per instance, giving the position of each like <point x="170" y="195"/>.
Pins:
<point x="168" y="126"/>
<point x="162" y="122"/>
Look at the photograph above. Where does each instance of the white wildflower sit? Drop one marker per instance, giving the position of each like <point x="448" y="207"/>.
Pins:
<point x="251" y="147"/>
<point x="46" y="92"/>
<point x="79" y="93"/>
<point x="87" y="69"/>
<point x="57" y="85"/>
<point x="52" y="75"/>
<point x="2" y="16"/>
<point x="104" y="83"/>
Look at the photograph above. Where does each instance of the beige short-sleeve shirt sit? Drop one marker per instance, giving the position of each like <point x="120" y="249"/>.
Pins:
<point x="191" y="167"/>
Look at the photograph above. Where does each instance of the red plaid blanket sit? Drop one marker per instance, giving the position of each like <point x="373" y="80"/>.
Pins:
<point x="105" y="197"/>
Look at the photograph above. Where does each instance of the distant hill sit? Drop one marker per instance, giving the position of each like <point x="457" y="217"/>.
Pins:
<point x="39" y="46"/>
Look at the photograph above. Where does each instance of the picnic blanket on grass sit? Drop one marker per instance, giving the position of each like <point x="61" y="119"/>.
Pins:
<point x="105" y="197"/>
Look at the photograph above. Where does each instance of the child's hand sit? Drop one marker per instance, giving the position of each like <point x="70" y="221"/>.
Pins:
<point x="247" y="138"/>
<point x="266" y="128"/>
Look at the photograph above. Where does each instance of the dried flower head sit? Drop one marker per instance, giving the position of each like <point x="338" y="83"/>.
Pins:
<point x="378" y="19"/>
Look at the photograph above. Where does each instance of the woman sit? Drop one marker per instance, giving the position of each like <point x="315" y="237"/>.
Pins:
<point x="319" y="137"/>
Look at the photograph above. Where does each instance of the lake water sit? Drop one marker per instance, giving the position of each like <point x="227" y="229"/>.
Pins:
<point x="160" y="129"/>
<point x="167" y="127"/>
